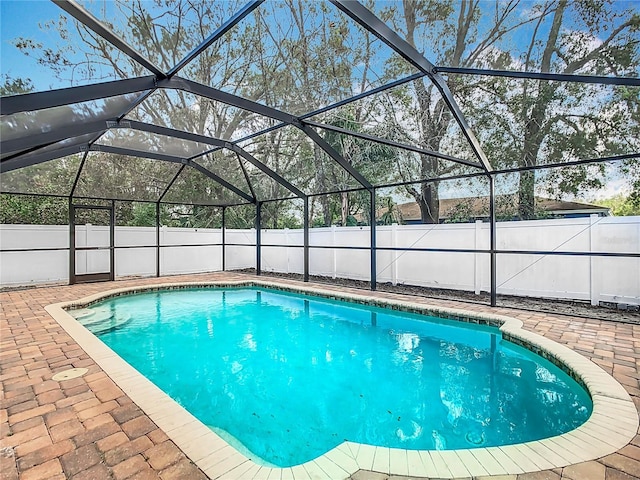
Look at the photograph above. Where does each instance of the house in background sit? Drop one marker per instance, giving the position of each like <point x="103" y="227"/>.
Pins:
<point x="477" y="208"/>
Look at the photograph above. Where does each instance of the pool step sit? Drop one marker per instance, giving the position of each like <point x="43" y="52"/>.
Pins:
<point x="89" y="317"/>
<point x="101" y="321"/>
<point x="83" y="313"/>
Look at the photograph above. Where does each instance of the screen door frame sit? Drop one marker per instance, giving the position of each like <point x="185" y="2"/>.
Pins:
<point x="74" y="277"/>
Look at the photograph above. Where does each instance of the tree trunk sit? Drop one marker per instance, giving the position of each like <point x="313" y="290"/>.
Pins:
<point x="344" y="208"/>
<point x="533" y="136"/>
<point x="526" y="196"/>
<point x="429" y="203"/>
<point x="326" y="210"/>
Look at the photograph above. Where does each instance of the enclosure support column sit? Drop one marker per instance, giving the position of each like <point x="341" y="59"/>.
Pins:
<point x="372" y="222"/>
<point x="306" y="239"/>
<point x="72" y="243"/>
<point x="224" y="243"/>
<point x="157" y="239"/>
<point x="112" y="241"/>
<point x="492" y="229"/>
<point x="258" y="240"/>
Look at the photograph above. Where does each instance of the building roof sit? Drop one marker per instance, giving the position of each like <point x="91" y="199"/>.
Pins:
<point x="478" y="207"/>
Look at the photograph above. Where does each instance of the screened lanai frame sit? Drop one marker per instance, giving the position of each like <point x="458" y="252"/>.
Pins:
<point x="19" y="151"/>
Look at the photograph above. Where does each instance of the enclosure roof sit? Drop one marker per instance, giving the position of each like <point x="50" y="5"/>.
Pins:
<point x="221" y="103"/>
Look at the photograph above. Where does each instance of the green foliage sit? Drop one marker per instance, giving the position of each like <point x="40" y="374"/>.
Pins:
<point x="22" y="209"/>
<point x="390" y="212"/>
<point x="520" y="122"/>
<point x="462" y="212"/>
<point x="374" y="161"/>
<point x="241" y="216"/>
<point x="144" y="215"/>
<point x="621" y="205"/>
<point x="14" y="86"/>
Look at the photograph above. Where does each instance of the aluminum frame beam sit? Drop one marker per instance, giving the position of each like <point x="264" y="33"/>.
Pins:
<point x="66" y="96"/>
<point x="168" y="132"/>
<point x="391" y="143"/>
<point x="368" y="93"/>
<point x="132" y="152"/>
<point x="323" y="144"/>
<point x="194" y="137"/>
<point x="158" y="235"/>
<point x="373" y="260"/>
<point x="56" y="135"/>
<point x="78" y="173"/>
<point x="85" y="17"/>
<point x="341" y="103"/>
<point x="258" y="238"/>
<point x="172" y="159"/>
<point x="554" y="77"/>
<point x="373" y="24"/>
<point x="251" y="106"/>
<point x="22" y="153"/>
<point x="220" y="31"/>
<point x="493" y="266"/>
<point x="246" y="175"/>
<point x="170" y="184"/>
<point x="211" y="93"/>
<point x="263" y="168"/>
<point x="221" y="181"/>
<point x="141" y="98"/>
<point x="22" y="162"/>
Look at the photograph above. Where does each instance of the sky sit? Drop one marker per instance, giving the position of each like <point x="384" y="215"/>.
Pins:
<point x="30" y="13"/>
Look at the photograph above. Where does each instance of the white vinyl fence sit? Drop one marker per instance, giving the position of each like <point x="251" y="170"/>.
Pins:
<point x="598" y="278"/>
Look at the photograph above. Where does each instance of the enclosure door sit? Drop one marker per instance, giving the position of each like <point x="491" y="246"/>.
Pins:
<point x="91" y="256"/>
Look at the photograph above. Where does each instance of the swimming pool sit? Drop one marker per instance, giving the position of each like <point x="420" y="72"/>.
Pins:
<point x="284" y="378"/>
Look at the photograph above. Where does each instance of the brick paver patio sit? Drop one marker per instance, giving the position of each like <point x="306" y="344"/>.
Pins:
<point x="87" y="428"/>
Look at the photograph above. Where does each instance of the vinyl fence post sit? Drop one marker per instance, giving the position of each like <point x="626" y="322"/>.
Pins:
<point x="335" y="252"/>
<point x="478" y="258"/>
<point x="72" y="243"/>
<point x="594" y="293"/>
<point x="394" y="256"/>
<point x="492" y="228"/>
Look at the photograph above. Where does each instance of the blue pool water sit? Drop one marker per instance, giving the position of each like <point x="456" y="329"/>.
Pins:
<point x="286" y="377"/>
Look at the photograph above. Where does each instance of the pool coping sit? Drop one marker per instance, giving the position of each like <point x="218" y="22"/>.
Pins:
<point x="612" y="424"/>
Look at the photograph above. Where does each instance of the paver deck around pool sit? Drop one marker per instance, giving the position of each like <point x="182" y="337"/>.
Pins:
<point x="89" y="428"/>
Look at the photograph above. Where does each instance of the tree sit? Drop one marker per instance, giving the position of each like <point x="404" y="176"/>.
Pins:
<point x="518" y="122"/>
<point x="30" y="210"/>
<point x="391" y="214"/>
<point x="529" y="122"/>
<point x="15" y="86"/>
<point x="164" y="32"/>
<point x="621" y="205"/>
<point x="298" y="56"/>
<point x="452" y="34"/>
<point x="372" y="160"/>
<point x="580" y="134"/>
